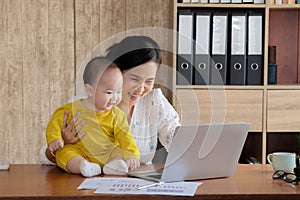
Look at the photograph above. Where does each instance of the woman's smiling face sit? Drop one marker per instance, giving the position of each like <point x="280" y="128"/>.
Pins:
<point x="138" y="81"/>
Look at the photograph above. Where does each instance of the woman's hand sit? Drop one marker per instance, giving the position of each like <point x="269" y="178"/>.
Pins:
<point x="133" y="163"/>
<point x="69" y="131"/>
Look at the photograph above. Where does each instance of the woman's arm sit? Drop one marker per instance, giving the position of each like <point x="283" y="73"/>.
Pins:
<point x="168" y="121"/>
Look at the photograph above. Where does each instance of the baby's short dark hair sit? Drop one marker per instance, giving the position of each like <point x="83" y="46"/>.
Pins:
<point x="95" y="68"/>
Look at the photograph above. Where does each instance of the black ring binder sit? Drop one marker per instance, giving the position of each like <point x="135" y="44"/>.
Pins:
<point x="218" y="66"/>
<point x="254" y="66"/>
<point x="237" y="66"/>
<point x="202" y="66"/>
<point x="185" y="66"/>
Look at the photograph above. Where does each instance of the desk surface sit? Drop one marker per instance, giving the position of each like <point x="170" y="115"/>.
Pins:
<point x="49" y="182"/>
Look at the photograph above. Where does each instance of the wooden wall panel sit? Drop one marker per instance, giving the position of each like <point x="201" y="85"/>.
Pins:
<point x="87" y="34"/>
<point x="11" y="106"/>
<point x="136" y="17"/>
<point x="36" y="76"/>
<point x="61" y="52"/>
<point x="14" y="62"/>
<point x="96" y="21"/>
<point x="4" y="147"/>
<point x="163" y="9"/>
<point x="113" y="15"/>
<point x="87" y="24"/>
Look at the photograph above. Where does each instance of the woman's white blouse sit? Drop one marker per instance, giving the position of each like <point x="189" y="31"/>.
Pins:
<point x="153" y="118"/>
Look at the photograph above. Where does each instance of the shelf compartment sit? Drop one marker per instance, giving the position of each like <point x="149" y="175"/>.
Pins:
<point x="283" y="110"/>
<point x="282" y="141"/>
<point x="284" y="25"/>
<point x="252" y="148"/>
<point x="219" y="106"/>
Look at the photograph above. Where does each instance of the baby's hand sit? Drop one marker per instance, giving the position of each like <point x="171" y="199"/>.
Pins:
<point x="55" y="145"/>
<point x="133" y="163"/>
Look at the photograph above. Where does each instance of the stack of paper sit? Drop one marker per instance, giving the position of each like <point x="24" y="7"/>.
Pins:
<point x="136" y="186"/>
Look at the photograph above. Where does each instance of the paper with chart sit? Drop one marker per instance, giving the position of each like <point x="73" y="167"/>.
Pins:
<point x="131" y="185"/>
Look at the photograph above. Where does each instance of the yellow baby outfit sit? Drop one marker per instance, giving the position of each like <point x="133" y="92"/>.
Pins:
<point x="107" y="135"/>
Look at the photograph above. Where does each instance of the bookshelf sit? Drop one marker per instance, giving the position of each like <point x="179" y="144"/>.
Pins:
<point x="272" y="109"/>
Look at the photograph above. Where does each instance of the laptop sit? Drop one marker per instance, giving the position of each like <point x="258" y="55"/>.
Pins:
<point x="201" y="152"/>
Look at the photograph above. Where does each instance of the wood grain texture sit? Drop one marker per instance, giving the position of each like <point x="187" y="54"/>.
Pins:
<point x="36" y="76"/>
<point x="61" y="52"/>
<point x="219" y="106"/>
<point x="87" y="27"/>
<point x="4" y="148"/>
<point x="113" y="18"/>
<point x="283" y="113"/>
<point x="283" y="33"/>
<point x="48" y="182"/>
<point x="164" y="37"/>
<point x="11" y="80"/>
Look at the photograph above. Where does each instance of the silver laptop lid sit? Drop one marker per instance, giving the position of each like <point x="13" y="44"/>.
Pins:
<point x="205" y="151"/>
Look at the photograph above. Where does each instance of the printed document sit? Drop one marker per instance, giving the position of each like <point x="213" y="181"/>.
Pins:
<point x="138" y="186"/>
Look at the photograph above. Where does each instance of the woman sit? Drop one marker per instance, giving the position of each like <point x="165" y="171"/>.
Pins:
<point x="150" y="116"/>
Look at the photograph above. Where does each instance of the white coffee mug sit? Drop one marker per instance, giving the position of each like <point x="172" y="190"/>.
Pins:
<point x="282" y="161"/>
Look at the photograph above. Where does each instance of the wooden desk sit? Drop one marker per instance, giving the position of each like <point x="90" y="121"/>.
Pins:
<point x="49" y="182"/>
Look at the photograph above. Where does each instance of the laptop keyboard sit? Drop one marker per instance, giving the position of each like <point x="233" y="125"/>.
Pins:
<point x="157" y="176"/>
